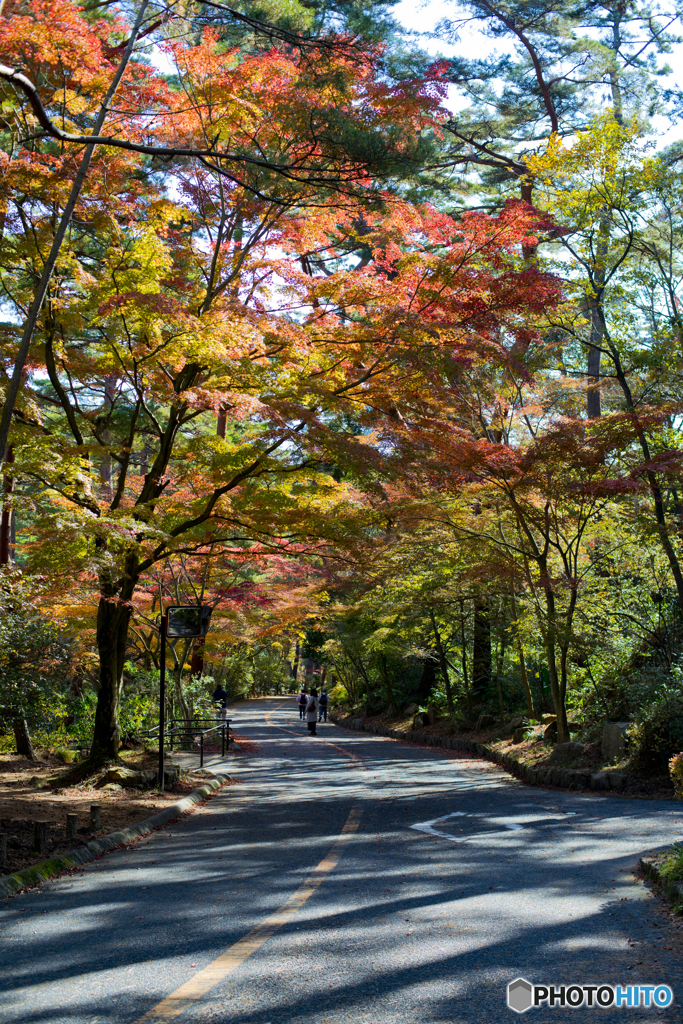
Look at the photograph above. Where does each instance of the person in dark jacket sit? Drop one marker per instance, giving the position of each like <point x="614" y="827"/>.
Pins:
<point x="322" y="706"/>
<point x="302" y="701"/>
<point x="220" y="702"/>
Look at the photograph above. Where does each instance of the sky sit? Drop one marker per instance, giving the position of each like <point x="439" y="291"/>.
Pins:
<point x="424" y="16"/>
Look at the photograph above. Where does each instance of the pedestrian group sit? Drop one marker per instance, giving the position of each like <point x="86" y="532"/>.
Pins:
<point x="312" y="707"/>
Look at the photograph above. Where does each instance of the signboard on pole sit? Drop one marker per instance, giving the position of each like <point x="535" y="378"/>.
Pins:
<point x="187" y="620"/>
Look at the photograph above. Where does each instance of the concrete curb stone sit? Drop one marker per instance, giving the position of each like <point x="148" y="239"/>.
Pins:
<point x="650" y="869"/>
<point x="11" y="884"/>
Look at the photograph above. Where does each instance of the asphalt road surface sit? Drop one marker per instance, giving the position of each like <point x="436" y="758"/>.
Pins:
<point x="350" y="879"/>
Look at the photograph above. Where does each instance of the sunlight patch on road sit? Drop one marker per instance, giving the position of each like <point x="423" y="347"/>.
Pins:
<point x="233" y="957"/>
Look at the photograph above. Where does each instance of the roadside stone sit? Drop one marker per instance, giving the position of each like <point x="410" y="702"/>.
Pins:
<point x="531" y="774"/>
<point x="564" y="750"/>
<point x="578" y="780"/>
<point x="171" y="774"/>
<point x="599" y="781"/>
<point x="514" y="723"/>
<point x="410" y="710"/>
<point x="518" y="735"/>
<point x="432" y="714"/>
<point x="484" y="722"/>
<point x="550" y="731"/>
<point x="128" y="778"/>
<point x="555" y="777"/>
<point x="617" y="780"/>
<point x="419" y="721"/>
<point x="547" y="719"/>
<point x="614" y="740"/>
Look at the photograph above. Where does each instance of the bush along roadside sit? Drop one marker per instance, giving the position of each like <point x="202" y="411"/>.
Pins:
<point x="560" y="777"/>
<point x="666" y="870"/>
<point x="31" y="876"/>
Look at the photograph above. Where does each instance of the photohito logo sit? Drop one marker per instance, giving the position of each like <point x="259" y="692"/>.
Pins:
<point x="522" y="995"/>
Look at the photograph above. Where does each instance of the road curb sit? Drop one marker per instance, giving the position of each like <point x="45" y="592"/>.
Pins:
<point x="29" y="877"/>
<point x="650" y="867"/>
<point x="558" y="778"/>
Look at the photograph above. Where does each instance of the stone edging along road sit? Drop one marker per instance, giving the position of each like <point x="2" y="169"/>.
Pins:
<point x="11" y="884"/>
<point x="564" y="778"/>
<point x="650" y="867"/>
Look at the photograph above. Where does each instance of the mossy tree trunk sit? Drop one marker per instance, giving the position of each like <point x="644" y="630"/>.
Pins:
<point x="22" y="739"/>
<point x="113" y="619"/>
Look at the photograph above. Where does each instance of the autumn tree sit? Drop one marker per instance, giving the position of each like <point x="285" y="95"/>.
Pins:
<point x="167" y="313"/>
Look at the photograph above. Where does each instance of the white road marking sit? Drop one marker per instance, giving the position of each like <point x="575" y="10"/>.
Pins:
<point x="428" y="827"/>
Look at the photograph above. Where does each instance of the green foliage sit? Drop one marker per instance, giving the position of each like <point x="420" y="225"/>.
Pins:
<point x="338" y="695"/>
<point x="134" y="713"/>
<point x="36" y="659"/>
<point x="197" y="691"/>
<point x="244" y="669"/>
<point x="658" y="733"/>
<point x="671" y="868"/>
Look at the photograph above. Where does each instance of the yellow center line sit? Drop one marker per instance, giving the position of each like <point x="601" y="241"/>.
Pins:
<point x="356" y="760"/>
<point x="223" y="965"/>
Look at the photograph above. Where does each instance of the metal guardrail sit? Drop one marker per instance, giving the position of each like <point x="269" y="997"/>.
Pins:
<point x="191" y="730"/>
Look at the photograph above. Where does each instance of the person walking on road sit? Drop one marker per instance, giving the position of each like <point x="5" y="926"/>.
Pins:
<point x="302" y="701"/>
<point x="220" y="702"/>
<point x="322" y="705"/>
<point x="312" y="711"/>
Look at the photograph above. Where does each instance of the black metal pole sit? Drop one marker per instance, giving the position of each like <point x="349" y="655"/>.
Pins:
<point x="162" y="699"/>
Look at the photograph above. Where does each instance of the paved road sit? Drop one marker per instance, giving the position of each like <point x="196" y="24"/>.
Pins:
<point x="307" y="895"/>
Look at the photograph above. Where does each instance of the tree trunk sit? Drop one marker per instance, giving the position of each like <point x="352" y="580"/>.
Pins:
<point x="113" y="617"/>
<point x="443" y="664"/>
<point x="525" y="680"/>
<point x="23" y="739"/>
<point x="179" y="695"/>
<point x="7" y="515"/>
<point x="499" y="688"/>
<point x="427" y="680"/>
<point x="522" y="661"/>
<point x="481" y="650"/>
<point x="388" y="687"/>
<point x="463" y="649"/>
<point x="555" y="686"/>
<point x="650" y="476"/>
<point x="197" y="660"/>
<point x="593" y="404"/>
<point x="295" y="666"/>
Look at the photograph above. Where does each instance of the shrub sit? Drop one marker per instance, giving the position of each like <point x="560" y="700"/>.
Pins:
<point x="37" y="658"/>
<point x="676" y="773"/>
<point x="658" y="733"/>
<point x="338" y="695"/>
